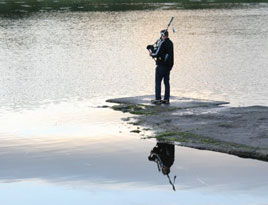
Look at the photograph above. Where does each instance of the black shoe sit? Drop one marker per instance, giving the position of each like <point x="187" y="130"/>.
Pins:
<point x="165" y="102"/>
<point x="156" y="102"/>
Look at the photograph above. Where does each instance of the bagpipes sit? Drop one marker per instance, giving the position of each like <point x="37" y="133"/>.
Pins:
<point x="154" y="47"/>
<point x="155" y="155"/>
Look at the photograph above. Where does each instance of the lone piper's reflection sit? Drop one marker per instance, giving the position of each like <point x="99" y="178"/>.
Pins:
<point x="163" y="155"/>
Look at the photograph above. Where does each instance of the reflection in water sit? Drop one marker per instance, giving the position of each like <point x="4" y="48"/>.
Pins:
<point x="163" y="155"/>
<point x="75" y="154"/>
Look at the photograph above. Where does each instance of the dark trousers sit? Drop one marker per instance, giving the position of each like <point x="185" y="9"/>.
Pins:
<point x="162" y="72"/>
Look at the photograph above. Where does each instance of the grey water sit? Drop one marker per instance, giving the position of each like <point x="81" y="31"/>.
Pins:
<point x="219" y="54"/>
<point x="57" y="67"/>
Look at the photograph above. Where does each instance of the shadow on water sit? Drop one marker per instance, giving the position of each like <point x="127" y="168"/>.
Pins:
<point x="28" y="6"/>
<point x="163" y="155"/>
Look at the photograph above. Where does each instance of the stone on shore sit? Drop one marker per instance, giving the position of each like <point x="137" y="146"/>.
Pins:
<point x="179" y="102"/>
<point x="204" y="124"/>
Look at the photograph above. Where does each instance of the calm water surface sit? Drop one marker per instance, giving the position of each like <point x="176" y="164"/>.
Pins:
<point x="66" y="154"/>
<point x="56" y="147"/>
<point x="219" y="54"/>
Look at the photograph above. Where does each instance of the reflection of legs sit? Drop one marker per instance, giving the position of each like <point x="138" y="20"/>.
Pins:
<point x="167" y="86"/>
<point x="158" y="79"/>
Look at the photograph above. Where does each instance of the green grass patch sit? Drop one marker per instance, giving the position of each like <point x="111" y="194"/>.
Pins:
<point x="27" y="6"/>
<point x="137" y="109"/>
<point x="187" y="137"/>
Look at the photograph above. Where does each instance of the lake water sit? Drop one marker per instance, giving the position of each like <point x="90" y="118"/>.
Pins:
<point x="57" y="147"/>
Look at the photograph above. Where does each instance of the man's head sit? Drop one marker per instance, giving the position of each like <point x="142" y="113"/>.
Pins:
<point x="165" y="170"/>
<point x="164" y="34"/>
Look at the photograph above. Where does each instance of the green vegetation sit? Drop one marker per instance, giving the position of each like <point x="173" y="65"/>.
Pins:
<point x="26" y="6"/>
<point x="142" y="109"/>
<point x="133" y="109"/>
<point x="187" y="137"/>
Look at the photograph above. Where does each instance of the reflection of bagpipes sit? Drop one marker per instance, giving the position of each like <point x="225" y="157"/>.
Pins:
<point x="156" y="157"/>
<point x="153" y="48"/>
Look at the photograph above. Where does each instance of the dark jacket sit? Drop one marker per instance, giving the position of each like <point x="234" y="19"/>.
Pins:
<point x="164" y="54"/>
<point x="165" y="152"/>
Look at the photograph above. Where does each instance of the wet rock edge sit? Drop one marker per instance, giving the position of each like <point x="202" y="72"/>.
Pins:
<point x="187" y="138"/>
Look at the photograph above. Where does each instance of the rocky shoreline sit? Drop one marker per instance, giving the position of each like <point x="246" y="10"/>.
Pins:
<point x="203" y="124"/>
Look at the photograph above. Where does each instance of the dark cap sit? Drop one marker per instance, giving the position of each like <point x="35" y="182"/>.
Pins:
<point x="164" y="32"/>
